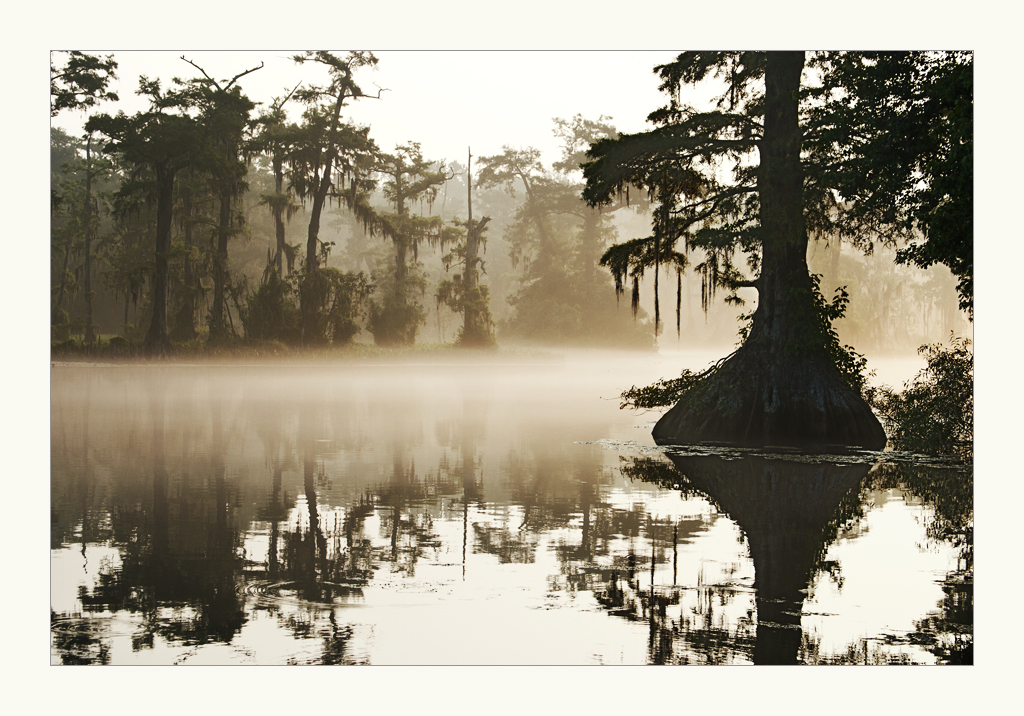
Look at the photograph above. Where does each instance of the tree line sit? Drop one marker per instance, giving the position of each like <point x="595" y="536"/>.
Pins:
<point x="155" y="211"/>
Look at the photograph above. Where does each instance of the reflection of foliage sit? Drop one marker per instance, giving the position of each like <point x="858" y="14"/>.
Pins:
<point x="78" y="641"/>
<point x="935" y="413"/>
<point x="949" y="632"/>
<point x="508" y="546"/>
<point x="656" y="471"/>
<point x="789" y="511"/>
<point x="336" y="640"/>
<point x="701" y="634"/>
<point x="193" y="565"/>
<point x="949" y="490"/>
<point x="866" y="652"/>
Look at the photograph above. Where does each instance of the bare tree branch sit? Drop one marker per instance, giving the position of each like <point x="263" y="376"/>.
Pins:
<point x="233" y="79"/>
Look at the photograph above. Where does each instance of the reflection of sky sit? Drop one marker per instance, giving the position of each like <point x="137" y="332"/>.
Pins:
<point x="69" y="570"/>
<point x="891" y="576"/>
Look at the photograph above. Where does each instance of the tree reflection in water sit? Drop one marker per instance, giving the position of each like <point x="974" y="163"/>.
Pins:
<point x="201" y="522"/>
<point x="179" y="566"/>
<point x="790" y="512"/>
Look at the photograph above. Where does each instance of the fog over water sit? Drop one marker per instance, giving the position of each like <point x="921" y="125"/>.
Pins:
<point x="496" y="510"/>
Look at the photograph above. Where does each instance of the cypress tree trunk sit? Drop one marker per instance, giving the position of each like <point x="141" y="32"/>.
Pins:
<point x="90" y="336"/>
<point x="401" y="245"/>
<point x="218" y="330"/>
<point x="475" y="331"/>
<point x="588" y="244"/>
<point x="784" y="509"/>
<point x="278" y="210"/>
<point x="321" y="193"/>
<point x="401" y="270"/>
<point x="469" y="277"/>
<point x="185" y="321"/>
<point x="781" y="387"/>
<point x="312" y="236"/>
<point x="307" y="294"/>
<point x="157" y="341"/>
<point x="59" y="298"/>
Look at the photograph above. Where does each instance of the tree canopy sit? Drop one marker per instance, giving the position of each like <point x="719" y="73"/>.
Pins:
<point x="886" y="156"/>
<point x="731" y="182"/>
<point x="890" y="135"/>
<point x="80" y="82"/>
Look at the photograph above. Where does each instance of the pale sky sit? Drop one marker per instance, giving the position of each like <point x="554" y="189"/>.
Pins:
<point x="446" y="100"/>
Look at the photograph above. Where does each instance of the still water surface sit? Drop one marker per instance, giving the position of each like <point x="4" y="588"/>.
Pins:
<point x="482" y="513"/>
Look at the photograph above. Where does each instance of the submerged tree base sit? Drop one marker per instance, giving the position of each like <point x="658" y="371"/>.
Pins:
<point x="759" y="399"/>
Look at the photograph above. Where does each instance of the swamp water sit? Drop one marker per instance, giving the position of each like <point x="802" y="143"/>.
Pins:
<point x="476" y="514"/>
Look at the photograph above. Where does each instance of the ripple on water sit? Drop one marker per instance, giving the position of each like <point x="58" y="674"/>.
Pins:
<point x="267" y="593"/>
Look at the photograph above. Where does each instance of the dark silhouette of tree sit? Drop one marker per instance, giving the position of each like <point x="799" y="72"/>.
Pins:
<point x="892" y="134"/>
<point x="163" y="140"/>
<point x="63" y="186"/>
<point x="330" y="160"/>
<point x="275" y="138"/>
<point x="79" y="189"/>
<point x="87" y="223"/>
<point x="782" y="386"/>
<point x="81" y="81"/>
<point x="194" y="207"/>
<point x="330" y="149"/>
<point x="224" y="115"/>
<point x="395" y="316"/>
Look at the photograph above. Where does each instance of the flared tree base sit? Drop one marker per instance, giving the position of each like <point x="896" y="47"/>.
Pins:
<point x="762" y="398"/>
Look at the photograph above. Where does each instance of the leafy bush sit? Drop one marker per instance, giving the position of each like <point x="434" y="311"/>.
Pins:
<point x="270" y="313"/>
<point x="851" y="364"/>
<point x="395" y="315"/>
<point x="60" y="326"/>
<point x="664" y="392"/>
<point x="333" y="301"/>
<point x="393" y="322"/>
<point x="454" y="294"/>
<point x="935" y="412"/>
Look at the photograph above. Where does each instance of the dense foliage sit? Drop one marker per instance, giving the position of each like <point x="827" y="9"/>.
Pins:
<point x="890" y="135"/>
<point x="888" y="156"/>
<point x="934" y="413"/>
<point x="80" y="80"/>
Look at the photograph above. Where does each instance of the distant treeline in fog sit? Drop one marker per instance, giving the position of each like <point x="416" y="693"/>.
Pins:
<point x="216" y="220"/>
